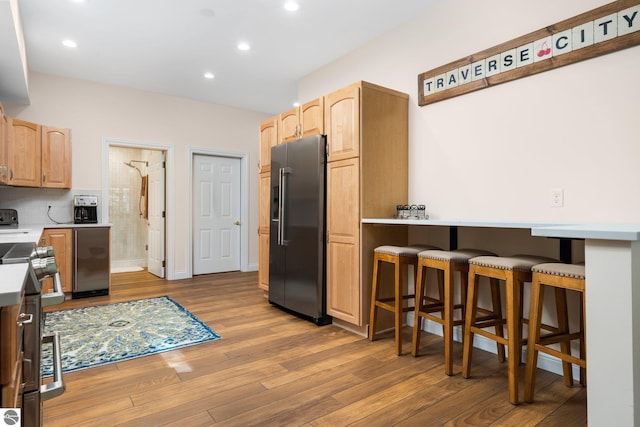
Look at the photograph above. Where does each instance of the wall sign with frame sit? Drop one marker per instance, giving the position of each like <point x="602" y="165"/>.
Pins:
<point x="603" y="30"/>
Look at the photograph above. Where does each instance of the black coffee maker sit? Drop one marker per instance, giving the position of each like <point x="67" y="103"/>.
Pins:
<point x="85" y="209"/>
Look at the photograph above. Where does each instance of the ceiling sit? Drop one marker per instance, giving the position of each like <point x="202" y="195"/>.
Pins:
<point x="166" y="46"/>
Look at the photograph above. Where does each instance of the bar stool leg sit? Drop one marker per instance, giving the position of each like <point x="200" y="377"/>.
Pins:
<point x="470" y="319"/>
<point x="398" y="306"/>
<point x="563" y="328"/>
<point x="513" y="294"/>
<point x="496" y="301"/>
<point x="537" y="295"/>
<point x="375" y="292"/>
<point x="419" y="301"/>
<point x="448" y="319"/>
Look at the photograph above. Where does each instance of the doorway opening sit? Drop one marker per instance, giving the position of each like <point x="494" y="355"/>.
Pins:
<point x="134" y="190"/>
<point x="219" y="206"/>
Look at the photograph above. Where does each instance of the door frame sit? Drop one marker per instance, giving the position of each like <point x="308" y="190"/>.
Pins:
<point x="244" y="202"/>
<point x="169" y="192"/>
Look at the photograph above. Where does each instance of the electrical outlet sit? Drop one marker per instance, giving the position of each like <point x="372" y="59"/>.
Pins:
<point x="557" y="197"/>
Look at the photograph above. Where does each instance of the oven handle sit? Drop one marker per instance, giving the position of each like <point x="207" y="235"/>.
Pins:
<point x="57" y="296"/>
<point x="56" y="388"/>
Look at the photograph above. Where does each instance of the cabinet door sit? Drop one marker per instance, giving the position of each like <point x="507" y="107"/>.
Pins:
<point x="289" y="128"/>
<point x="342" y="123"/>
<point x="263" y="264"/>
<point x="61" y="240"/>
<point x="343" y="241"/>
<point x="4" y="141"/>
<point x="268" y="138"/>
<point x="23" y="153"/>
<point x="56" y="157"/>
<point x="263" y="232"/>
<point x="312" y="117"/>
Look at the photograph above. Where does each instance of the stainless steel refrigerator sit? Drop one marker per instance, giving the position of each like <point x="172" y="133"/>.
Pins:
<point x="297" y="240"/>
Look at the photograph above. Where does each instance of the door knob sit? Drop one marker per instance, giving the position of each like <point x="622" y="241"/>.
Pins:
<point x="236" y="223"/>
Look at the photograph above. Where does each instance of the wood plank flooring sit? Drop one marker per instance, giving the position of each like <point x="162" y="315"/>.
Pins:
<point x="273" y="369"/>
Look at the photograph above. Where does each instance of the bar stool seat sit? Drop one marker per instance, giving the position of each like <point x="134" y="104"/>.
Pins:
<point x="399" y="256"/>
<point x="560" y="277"/>
<point x="447" y="263"/>
<point x="513" y="271"/>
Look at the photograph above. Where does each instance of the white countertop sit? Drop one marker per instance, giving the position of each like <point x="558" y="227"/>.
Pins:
<point x="12" y="279"/>
<point x="31" y="232"/>
<point x="462" y="222"/>
<point x="628" y="232"/>
<point x="568" y="230"/>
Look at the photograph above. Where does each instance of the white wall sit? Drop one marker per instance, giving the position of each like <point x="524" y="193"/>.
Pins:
<point x="94" y="111"/>
<point x="497" y="153"/>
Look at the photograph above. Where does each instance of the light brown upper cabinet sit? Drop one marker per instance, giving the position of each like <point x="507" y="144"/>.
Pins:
<point x="56" y="157"/>
<point x="38" y="156"/>
<point x="268" y="139"/>
<point x="302" y="121"/>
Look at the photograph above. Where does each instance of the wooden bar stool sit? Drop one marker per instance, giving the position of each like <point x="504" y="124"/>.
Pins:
<point x="560" y="277"/>
<point x="399" y="256"/>
<point x="447" y="263"/>
<point x="514" y="272"/>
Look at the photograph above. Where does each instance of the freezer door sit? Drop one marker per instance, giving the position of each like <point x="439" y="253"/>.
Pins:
<point x="277" y="252"/>
<point x="304" y="225"/>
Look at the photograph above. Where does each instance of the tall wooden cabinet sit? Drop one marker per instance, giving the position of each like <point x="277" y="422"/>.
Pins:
<point x="38" y="156"/>
<point x="367" y="176"/>
<point x="268" y="139"/>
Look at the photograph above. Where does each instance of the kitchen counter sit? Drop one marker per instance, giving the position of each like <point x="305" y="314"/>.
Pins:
<point x="612" y="295"/>
<point x="12" y="283"/>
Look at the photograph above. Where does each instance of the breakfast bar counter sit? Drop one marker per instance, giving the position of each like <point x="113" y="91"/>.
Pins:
<point x="612" y="263"/>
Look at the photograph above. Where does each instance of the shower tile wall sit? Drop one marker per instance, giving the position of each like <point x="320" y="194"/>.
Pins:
<point x="129" y="229"/>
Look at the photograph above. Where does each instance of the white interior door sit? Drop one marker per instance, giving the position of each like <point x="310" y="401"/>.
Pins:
<point x="156" y="214"/>
<point x="216" y="214"/>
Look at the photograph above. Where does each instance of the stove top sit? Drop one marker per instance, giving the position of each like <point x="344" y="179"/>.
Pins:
<point x="12" y="253"/>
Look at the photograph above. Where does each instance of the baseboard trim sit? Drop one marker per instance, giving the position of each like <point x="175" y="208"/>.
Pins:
<point x="545" y="362"/>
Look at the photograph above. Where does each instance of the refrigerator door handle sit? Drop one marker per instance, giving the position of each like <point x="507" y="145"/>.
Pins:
<point x="282" y="208"/>
<point x="279" y="239"/>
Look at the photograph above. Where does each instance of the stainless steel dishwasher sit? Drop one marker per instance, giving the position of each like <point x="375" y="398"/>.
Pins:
<point x="91" y="261"/>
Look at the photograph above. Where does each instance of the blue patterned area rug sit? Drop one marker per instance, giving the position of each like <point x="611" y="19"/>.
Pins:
<point x="94" y="336"/>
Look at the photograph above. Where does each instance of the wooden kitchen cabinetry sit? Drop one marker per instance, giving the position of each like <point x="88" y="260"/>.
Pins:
<point x="268" y="139"/>
<point x="10" y="354"/>
<point x="263" y="230"/>
<point x="367" y="176"/>
<point x="56" y="157"/>
<point x="4" y="141"/>
<point x="306" y="120"/>
<point x="367" y="166"/>
<point x="62" y="241"/>
<point x="38" y="156"/>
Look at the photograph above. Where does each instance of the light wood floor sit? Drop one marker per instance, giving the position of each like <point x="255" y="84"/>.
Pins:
<point x="271" y="368"/>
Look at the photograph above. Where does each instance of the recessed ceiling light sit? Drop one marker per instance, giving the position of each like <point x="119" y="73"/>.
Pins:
<point x="243" y="46"/>
<point x="209" y="76"/>
<point x="291" y="6"/>
<point x="69" y="43"/>
<point x="296" y="104"/>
